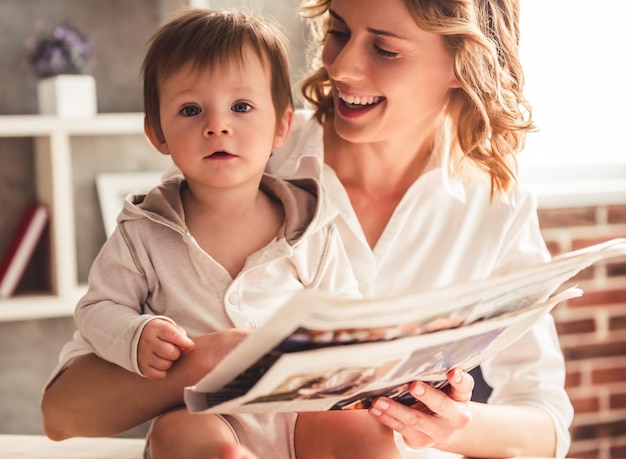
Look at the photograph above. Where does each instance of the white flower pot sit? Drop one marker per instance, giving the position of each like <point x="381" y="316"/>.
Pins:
<point x="67" y="96"/>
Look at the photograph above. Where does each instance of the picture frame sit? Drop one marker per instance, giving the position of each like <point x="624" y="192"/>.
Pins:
<point x="112" y="188"/>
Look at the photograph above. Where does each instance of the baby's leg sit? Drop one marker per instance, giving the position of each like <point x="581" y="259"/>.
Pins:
<point x="343" y="435"/>
<point x="232" y="451"/>
<point x="181" y="434"/>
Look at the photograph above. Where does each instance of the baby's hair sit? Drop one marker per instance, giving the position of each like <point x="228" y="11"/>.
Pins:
<point x="205" y="38"/>
<point x="488" y="114"/>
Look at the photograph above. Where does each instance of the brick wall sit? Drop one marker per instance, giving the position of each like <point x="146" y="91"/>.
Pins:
<point x="593" y="330"/>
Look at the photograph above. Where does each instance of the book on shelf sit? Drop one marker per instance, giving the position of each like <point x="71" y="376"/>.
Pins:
<point x="21" y="247"/>
<point x="321" y="352"/>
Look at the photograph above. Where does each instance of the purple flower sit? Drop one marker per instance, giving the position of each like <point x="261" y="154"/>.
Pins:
<point x="65" y="51"/>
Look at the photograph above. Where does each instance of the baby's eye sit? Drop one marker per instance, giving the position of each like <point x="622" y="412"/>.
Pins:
<point x="190" y="110"/>
<point x="241" y="107"/>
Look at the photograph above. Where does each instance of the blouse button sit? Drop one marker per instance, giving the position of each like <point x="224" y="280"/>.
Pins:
<point x="234" y="298"/>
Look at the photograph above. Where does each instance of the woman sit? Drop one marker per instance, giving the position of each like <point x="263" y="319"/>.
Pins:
<point x="418" y="114"/>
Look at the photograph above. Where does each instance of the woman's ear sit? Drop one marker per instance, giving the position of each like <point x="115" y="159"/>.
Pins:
<point x="454" y="83"/>
<point x="156" y="138"/>
<point x="283" y="128"/>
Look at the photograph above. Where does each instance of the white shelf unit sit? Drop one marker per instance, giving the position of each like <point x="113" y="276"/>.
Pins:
<point x="53" y="167"/>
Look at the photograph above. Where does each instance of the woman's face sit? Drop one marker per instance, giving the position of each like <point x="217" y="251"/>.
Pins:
<point x="390" y="78"/>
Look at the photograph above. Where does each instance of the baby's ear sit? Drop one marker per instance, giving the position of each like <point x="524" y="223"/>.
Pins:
<point x="284" y="127"/>
<point x="155" y="137"/>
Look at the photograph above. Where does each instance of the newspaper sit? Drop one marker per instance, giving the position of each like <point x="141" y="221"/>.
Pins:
<point x="321" y="352"/>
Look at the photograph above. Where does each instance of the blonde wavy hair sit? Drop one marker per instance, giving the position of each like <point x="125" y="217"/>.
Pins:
<point x="488" y="117"/>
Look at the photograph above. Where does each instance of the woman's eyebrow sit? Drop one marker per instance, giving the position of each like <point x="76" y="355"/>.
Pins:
<point x="334" y="14"/>
<point x="385" y="33"/>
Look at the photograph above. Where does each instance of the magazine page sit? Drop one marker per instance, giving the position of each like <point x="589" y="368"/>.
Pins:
<point x="313" y="320"/>
<point x="350" y="376"/>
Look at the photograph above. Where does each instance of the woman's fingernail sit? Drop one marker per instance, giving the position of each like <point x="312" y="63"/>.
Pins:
<point x="375" y="412"/>
<point x="381" y="404"/>
<point x="419" y="389"/>
<point x="457" y="377"/>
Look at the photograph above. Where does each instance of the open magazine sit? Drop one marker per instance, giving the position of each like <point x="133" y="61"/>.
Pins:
<point x="320" y="352"/>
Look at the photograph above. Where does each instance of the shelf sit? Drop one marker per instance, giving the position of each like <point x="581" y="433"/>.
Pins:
<point x="30" y="307"/>
<point x="44" y="125"/>
<point x="52" y="137"/>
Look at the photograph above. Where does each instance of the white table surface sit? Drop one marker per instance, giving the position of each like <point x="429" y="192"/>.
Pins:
<point x="40" y="447"/>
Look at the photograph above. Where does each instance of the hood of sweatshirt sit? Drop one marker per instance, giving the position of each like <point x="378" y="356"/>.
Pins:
<point x="302" y="200"/>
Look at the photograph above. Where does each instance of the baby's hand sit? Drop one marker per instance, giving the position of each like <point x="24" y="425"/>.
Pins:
<point x="161" y="343"/>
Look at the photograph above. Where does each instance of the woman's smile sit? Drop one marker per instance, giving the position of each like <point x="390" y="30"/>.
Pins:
<point x="351" y="106"/>
<point x="357" y="100"/>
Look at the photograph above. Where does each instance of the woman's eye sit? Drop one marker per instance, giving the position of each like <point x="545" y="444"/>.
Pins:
<point x="338" y="35"/>
<point x="384" y="53"/>
<point x="190" y="110"/>
<point x="241" y="107"/>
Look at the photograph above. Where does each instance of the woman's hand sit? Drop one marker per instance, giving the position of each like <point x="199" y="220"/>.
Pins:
<point x="436" y="417"/>
<point x="208" y="351"/>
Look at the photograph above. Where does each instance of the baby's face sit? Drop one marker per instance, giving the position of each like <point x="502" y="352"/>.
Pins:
<point x="219" y="123"/>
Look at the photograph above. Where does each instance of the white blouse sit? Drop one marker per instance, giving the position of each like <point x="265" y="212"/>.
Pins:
<point x="443" y="232"/>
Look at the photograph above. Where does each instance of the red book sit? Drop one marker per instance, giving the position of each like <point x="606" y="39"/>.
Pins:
<point x="20" y="250"/>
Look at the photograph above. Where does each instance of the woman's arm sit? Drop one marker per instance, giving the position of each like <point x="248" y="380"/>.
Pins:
<point x="504" y="431"/>
<point x="94" y="398"/>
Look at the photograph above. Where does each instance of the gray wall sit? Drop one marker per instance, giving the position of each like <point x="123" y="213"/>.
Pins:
<point x="119" y="29"/>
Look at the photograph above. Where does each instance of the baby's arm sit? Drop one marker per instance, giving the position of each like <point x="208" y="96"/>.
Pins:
<point x="161" y="343"/>
<point x="114" y="311"/>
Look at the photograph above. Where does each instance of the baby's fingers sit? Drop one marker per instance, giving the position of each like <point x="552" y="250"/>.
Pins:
<point x="157" y="370"/>
<point x="171" y="333"/>
<point x="156" y="363"/>
<point x="161" y="343"/>
<point x="153" y="366"/>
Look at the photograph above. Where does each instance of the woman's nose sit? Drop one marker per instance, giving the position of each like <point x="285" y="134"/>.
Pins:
<point x="345" y="63"/>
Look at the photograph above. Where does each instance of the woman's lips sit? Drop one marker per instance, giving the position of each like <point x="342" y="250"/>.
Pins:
<point x="356" y="105"/>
